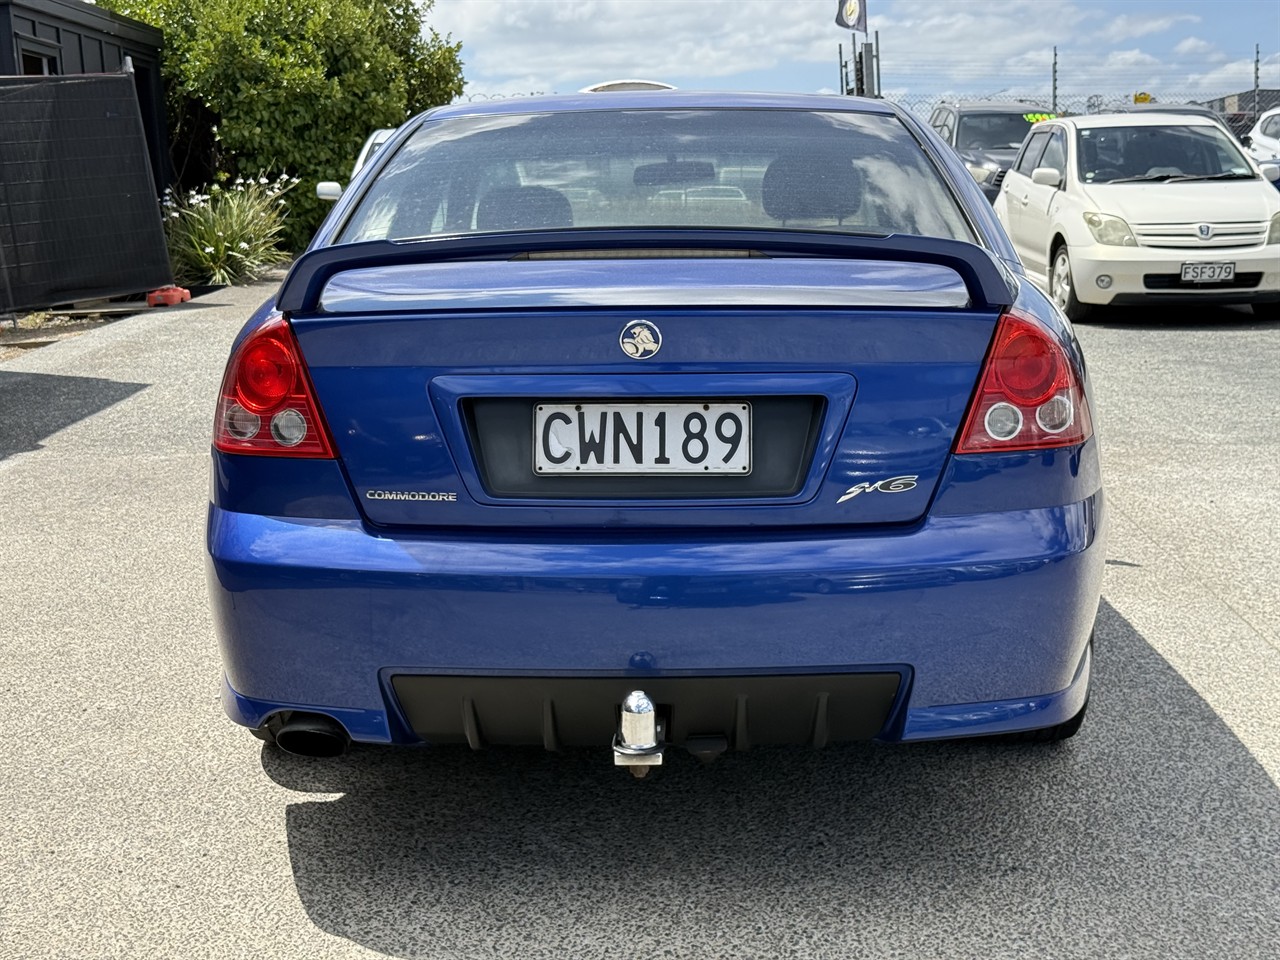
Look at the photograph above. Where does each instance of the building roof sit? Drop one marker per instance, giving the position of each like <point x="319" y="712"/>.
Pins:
<point x="91" y="16"/>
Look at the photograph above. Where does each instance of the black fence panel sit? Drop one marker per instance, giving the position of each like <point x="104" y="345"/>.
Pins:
<point x="79" y="218"/>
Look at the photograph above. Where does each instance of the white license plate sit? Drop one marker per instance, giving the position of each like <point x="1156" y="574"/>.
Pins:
<point x="642" y="438"/>
<point x="1208" y="272"/>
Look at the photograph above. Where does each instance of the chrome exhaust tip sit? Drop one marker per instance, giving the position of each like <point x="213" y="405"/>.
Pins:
<point x="638" y="743"/>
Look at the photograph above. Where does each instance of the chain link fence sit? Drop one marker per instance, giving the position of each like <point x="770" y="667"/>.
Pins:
<point x="1237" y="108"/>
<point x="1240" y="110"/>
<point x="479" y="97"/>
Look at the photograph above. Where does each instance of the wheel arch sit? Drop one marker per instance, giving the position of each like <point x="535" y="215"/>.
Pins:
<point x="1059" y="240"/>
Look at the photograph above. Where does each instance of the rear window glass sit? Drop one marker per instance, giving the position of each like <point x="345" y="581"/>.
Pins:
<point x="780" y="169"/>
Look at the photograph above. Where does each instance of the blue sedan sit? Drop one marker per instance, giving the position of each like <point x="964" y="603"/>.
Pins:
<point x="650" y="421"/>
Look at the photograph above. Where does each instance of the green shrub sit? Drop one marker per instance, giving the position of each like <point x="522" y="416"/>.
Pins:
<point x="292" y="86"/>
<point x="230" y="234"/>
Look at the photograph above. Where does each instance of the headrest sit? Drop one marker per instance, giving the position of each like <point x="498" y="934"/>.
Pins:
<point x="811" y="187"/>
<point x="523" y="208"/>
<point x="1142" y="152"/>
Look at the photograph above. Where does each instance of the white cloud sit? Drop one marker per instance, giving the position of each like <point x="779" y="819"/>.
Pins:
<point x="1194" y="47"/>
<point x="525" y="45"/>
<point x="551" y="45"/>
<point x="992" y="47"/>
<point x="940" y="41"/>
<point x="1237" y="76"/>
<point x="1126" y="27"/>
<point x="1124" y="61"/>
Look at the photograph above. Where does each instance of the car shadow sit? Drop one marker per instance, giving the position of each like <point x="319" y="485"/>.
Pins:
<point x="1152" y="833"/>
<point x="37" y="405"/>
<point x="1178" y="317"/>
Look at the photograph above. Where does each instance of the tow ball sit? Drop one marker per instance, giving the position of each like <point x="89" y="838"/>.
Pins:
<point x="639" y="741"/>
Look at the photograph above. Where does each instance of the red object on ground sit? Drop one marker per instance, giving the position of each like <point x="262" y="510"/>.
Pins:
<point x="168" y="296"/>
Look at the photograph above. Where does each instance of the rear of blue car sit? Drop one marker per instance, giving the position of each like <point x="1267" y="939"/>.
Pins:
<point x="729" y="404"/>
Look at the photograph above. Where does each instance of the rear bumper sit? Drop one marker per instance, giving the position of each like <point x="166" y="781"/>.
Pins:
<point x="813" y="709"/>
<point x="980" y="622"/>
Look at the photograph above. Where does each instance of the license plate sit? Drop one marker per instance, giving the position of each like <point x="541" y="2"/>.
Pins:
<point x="1208" y="272"/>
<point x="642" y="438"/>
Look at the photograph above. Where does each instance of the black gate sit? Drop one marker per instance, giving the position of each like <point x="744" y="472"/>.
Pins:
<point x="79" y="218"/>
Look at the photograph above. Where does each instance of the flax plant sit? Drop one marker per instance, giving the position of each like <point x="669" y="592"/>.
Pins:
<point x="229" y="235"/>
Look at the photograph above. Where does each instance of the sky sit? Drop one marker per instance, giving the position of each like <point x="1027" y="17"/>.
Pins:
<point x="1169" y="48"/>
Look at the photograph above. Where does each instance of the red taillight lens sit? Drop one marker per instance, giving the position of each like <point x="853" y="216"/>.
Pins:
<point x="267" y="405"/>
<point x="1026" y="366"/>
<point x="1029" y="396"/>
<point x="267" y="374"/>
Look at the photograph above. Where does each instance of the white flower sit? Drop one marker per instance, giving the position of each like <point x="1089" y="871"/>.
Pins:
<point x="243" y="245"/>
<point x="208" y="249"/>
<point x="263" y="180"/>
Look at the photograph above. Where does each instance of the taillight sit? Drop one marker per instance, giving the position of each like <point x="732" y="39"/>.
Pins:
<point x="1029" y="396"/>
<point x="267" y="405"/>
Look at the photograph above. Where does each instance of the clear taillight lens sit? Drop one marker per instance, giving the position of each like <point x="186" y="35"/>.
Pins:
<point x="1029" y="396"/>
<point x="267" y="405"/>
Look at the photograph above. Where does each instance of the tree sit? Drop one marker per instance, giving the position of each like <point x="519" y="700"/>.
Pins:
<point x="285" y="86"/>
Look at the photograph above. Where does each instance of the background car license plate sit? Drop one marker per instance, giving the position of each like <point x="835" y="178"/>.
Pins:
<point x="647" y="438"/>
<point x="1208" y="272"/>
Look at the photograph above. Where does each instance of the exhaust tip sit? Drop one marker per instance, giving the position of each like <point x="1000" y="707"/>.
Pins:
<point x="312" y="735"/>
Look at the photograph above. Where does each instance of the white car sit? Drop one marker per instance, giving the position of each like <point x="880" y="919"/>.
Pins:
<point x="371" y="145"/>
<point x="1141" y="209"/>
<point x="1266" y="136"/>
<point x="331" y="189"/>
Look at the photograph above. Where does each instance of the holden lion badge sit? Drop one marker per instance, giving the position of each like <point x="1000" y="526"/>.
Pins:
<point x="640" y="340"/>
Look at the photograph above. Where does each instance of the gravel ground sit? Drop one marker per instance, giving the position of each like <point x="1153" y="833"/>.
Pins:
<point x="33" y="331"/>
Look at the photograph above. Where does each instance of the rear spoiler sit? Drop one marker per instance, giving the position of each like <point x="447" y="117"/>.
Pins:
<point x="986" y="281"/>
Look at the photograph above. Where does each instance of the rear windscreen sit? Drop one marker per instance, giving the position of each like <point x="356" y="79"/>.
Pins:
<point x="771" y="169"/>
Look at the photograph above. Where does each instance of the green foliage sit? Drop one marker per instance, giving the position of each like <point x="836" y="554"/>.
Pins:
<point x="291" y="85"/>
<point x="228" y="235"/>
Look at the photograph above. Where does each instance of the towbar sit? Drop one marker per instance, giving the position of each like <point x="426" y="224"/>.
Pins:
<point x="638" y="743"/>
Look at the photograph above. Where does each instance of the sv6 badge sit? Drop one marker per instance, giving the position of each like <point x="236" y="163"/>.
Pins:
<point x="888" y="485"/>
